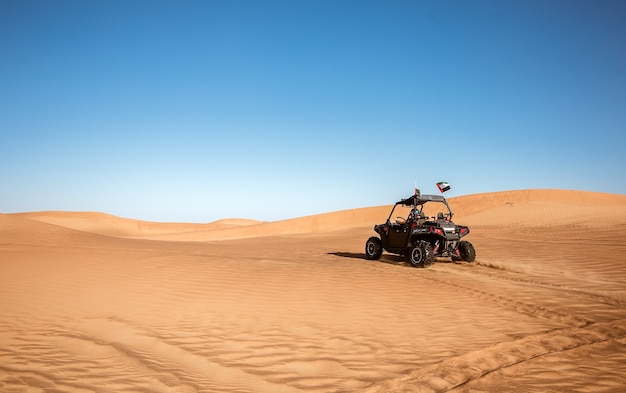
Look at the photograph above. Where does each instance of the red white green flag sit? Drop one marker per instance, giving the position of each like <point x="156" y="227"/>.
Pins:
<point x="443" y="186"/>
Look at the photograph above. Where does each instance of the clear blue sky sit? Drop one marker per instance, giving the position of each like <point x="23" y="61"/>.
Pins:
<point x="200" y="110"/>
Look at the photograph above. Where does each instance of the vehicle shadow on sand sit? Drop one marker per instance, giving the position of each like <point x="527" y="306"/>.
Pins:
<point x="390" y="259"/>
<point x="385" y="258"/>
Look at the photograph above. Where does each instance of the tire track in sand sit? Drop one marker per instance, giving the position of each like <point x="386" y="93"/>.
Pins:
<point x="459" y="370"/>
<point x="534" y="310"/>
<point x="610" y="299"/>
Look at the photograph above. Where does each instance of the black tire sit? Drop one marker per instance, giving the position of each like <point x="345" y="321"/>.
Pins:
<point x="420" y="255"/>
<point x="373" y="248"/>
<point x="467" y="252"/>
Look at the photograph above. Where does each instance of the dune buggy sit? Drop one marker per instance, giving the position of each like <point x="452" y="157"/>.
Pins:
<point x="422" y="231"/>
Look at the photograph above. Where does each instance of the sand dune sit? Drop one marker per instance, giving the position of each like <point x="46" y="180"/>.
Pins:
<point x="95" y="303"/>
<point x="107" y="224"/>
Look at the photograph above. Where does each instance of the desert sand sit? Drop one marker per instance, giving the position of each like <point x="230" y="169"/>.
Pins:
<point x="95" y="303"/>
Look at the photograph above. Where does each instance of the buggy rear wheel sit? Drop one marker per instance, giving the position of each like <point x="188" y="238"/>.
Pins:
<point x="420" y="254"/>
<point x="373" y="248"/>
<point x="467" y="252"/>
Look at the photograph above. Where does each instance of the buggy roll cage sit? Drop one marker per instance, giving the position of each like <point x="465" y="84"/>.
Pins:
<point x="419" y="200"/>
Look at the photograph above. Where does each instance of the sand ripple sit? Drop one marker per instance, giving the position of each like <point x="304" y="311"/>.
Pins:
<point x="542" y="309"/>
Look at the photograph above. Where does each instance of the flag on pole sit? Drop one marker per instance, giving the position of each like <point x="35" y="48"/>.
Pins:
<point x="443" y="186"/>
